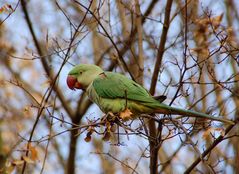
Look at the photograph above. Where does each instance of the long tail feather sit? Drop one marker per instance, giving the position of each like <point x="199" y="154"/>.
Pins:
<point x="165" y="109"/>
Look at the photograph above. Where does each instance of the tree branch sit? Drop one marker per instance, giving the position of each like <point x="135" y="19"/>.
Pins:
<point x="152" y="128"/>
<point x="161" y="47"/>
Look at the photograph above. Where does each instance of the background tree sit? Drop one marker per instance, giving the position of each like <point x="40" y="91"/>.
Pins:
<point x="186" y="50"/>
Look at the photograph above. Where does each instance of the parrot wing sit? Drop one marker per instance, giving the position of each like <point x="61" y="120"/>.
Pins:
<point x="113" y="85"/>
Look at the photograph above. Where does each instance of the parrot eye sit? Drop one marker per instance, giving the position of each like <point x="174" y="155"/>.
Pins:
<point x="80" y="72"/>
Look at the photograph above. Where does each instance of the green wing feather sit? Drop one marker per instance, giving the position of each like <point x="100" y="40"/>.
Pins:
<point x="114" y="85"/>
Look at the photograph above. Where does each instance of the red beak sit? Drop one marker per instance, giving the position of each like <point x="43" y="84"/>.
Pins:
<point x="72" y="82"/>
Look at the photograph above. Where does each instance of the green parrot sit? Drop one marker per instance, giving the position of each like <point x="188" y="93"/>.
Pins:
<point x="116" y="94"/>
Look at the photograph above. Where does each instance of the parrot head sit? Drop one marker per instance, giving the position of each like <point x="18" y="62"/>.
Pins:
<point x="81" y="76"/>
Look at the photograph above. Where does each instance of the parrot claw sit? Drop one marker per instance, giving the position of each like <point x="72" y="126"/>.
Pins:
<point x="126" y="115"/>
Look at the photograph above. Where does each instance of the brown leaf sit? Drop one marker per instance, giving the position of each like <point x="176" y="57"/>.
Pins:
<point x="6" y="9"/>
<point x="107" y="125"/>
<point x="221" y="131"/>
<point x="9" y="169"/>
<point x="34" y="152"/>
<point x="27" y="111"/>
<point x="126" y="114"/>
<point x="17" y="162"/>
<point x="106" y="136"/>
<point x="113" y="128"/>
<point x="206" y="134"/>
<point x="88" y="137"/>
<point x="216" y="21"/>
<point x="46" y="84"/>
<point x="213" y="130"/>
<point x="27" y="159"/>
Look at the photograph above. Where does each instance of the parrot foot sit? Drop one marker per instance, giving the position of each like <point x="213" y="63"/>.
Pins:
<point x="126" y="115"/>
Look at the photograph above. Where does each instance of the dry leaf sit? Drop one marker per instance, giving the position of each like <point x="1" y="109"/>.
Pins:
<point x="46" y="84"/>
<point x="9" y="169"/>
<point x="202" y="21"/>
<point x="7" y="8"/>
<point x="213" y="130"/>
<point x="126" y="114"/>
<point x="88" y="137"/>
<point x="27" y="159"/>
<point x="17" y="162"/>
<point x="106" y="136"/>
<point x="34" y="153"/>
<point x="27" y="112"/>
<point x="107" y="125"/>
<point x="216" y="21"/>
<point x="221" y="130"/>
<point x="206" y="134"/>
<point x="113" y="128"/>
